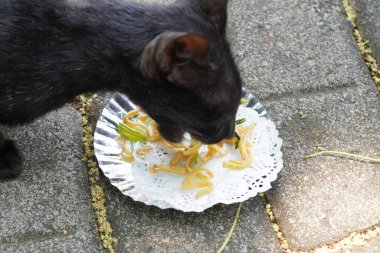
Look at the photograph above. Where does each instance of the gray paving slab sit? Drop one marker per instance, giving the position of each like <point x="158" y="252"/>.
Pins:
<point x="48" y="208"/>
<point x="322" y="199"/>
<point x="300" y="57"/>
<point x="141" y="228"/>
<point x="368" y="12"/>
<point x="285" y="48"/>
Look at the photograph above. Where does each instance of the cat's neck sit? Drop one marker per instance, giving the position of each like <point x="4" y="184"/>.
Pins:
<point x="113" y="36"/>
<point x="120" y="31"/>
<point x="126" y="26"/>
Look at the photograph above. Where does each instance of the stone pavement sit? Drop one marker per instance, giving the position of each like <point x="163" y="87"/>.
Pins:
<point x="299" y="58"/>
<point x="48" y="208"/>
<point x="369" y="21"/>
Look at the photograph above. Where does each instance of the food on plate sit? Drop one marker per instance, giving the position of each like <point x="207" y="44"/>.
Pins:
<point x="189" y="158"/>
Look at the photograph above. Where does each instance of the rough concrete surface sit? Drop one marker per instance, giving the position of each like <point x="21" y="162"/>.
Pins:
<point x="299" y="57"/>
<point x="368" y="12"/>
<point x="285" y="48"/>
<point x="47" y="209"/>
<point x="296" y="56"/>
<point x="322" y="199"/>
<point x="141" y="228"/>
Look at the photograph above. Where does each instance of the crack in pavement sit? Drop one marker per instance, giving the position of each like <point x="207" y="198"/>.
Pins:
<point x="96" y="190"/>
<point x="363" y="46"/>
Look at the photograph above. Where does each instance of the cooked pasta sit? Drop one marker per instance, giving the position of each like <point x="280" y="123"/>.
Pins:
<point x="127" y="155"/>
<point x="176" y="158"/>
<point x="143" y="150"/>
<point x="244" y="149"/>
<point x="172" y="169"/>
<point x="143" y="117"/>
<point x="131" y="123"/>
<point x="216" y="149"/>
<point x="188" y="159"/>
<point x="204" y="191"/>
<point x="193" y="148"/>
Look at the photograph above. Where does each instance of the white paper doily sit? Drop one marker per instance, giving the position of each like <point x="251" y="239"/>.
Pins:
<point x="165" y="190"/>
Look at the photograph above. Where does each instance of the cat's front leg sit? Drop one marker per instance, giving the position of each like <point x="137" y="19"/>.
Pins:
<point x="11" y="159"/>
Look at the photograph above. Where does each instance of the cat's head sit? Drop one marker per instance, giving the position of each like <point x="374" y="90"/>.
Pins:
<point x="192" y="84"/>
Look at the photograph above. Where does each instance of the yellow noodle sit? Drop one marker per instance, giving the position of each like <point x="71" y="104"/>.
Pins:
<point x="205" y="191"/>
<point x="171" y="169"/>
<point x="132" y="113"/>
<point x="243" y="141"/>
<point x="127" y="155"/>
<point x="154" y="125"/>
<point x="189" y="162"/>
<point x="190" y="177"/>
<point x="176" y="158"/>
<point x="243" y="148"/>
<point x="174" y="145"/>
<point x="144" y="150"/>
<point x="209" y="172"/>
<point x="195" y="178"/>
<point x="195" y="172"/>
<point x="144" y="117"/>
<point x="241" y="130"/>
<point x="136" y="124"/>
<point x="238" y="165"/>
<point x="153" y="170"/>
<point x="211" y="151"/>
<point x="196" y="185"/>
<point x="128" y="159"/>
<point x="231" y="141"/>
<point x="207" y="157"/>
<point x="215" y="149"/>
<point x="127" y="151"/>
<point x="193" y="150"/>
<point x="202" y="176"/>
<point x="155" y="137"/>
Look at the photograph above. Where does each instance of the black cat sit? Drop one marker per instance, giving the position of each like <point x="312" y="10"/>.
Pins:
<point x="171" y="60"/>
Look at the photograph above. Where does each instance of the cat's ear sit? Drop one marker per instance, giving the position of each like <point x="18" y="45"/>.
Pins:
<point x="217" y="11"/>
<point x="173" y="50"/>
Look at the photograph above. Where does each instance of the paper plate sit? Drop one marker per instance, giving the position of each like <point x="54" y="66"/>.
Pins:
<point x="165" y="190"/>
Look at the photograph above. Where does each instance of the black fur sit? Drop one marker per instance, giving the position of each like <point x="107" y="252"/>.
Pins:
<point x="11" y="160"/>
<point x="171" y="60"/>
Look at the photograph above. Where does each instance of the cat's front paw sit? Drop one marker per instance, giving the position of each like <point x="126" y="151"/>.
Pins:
<point x="11" y="160"/>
